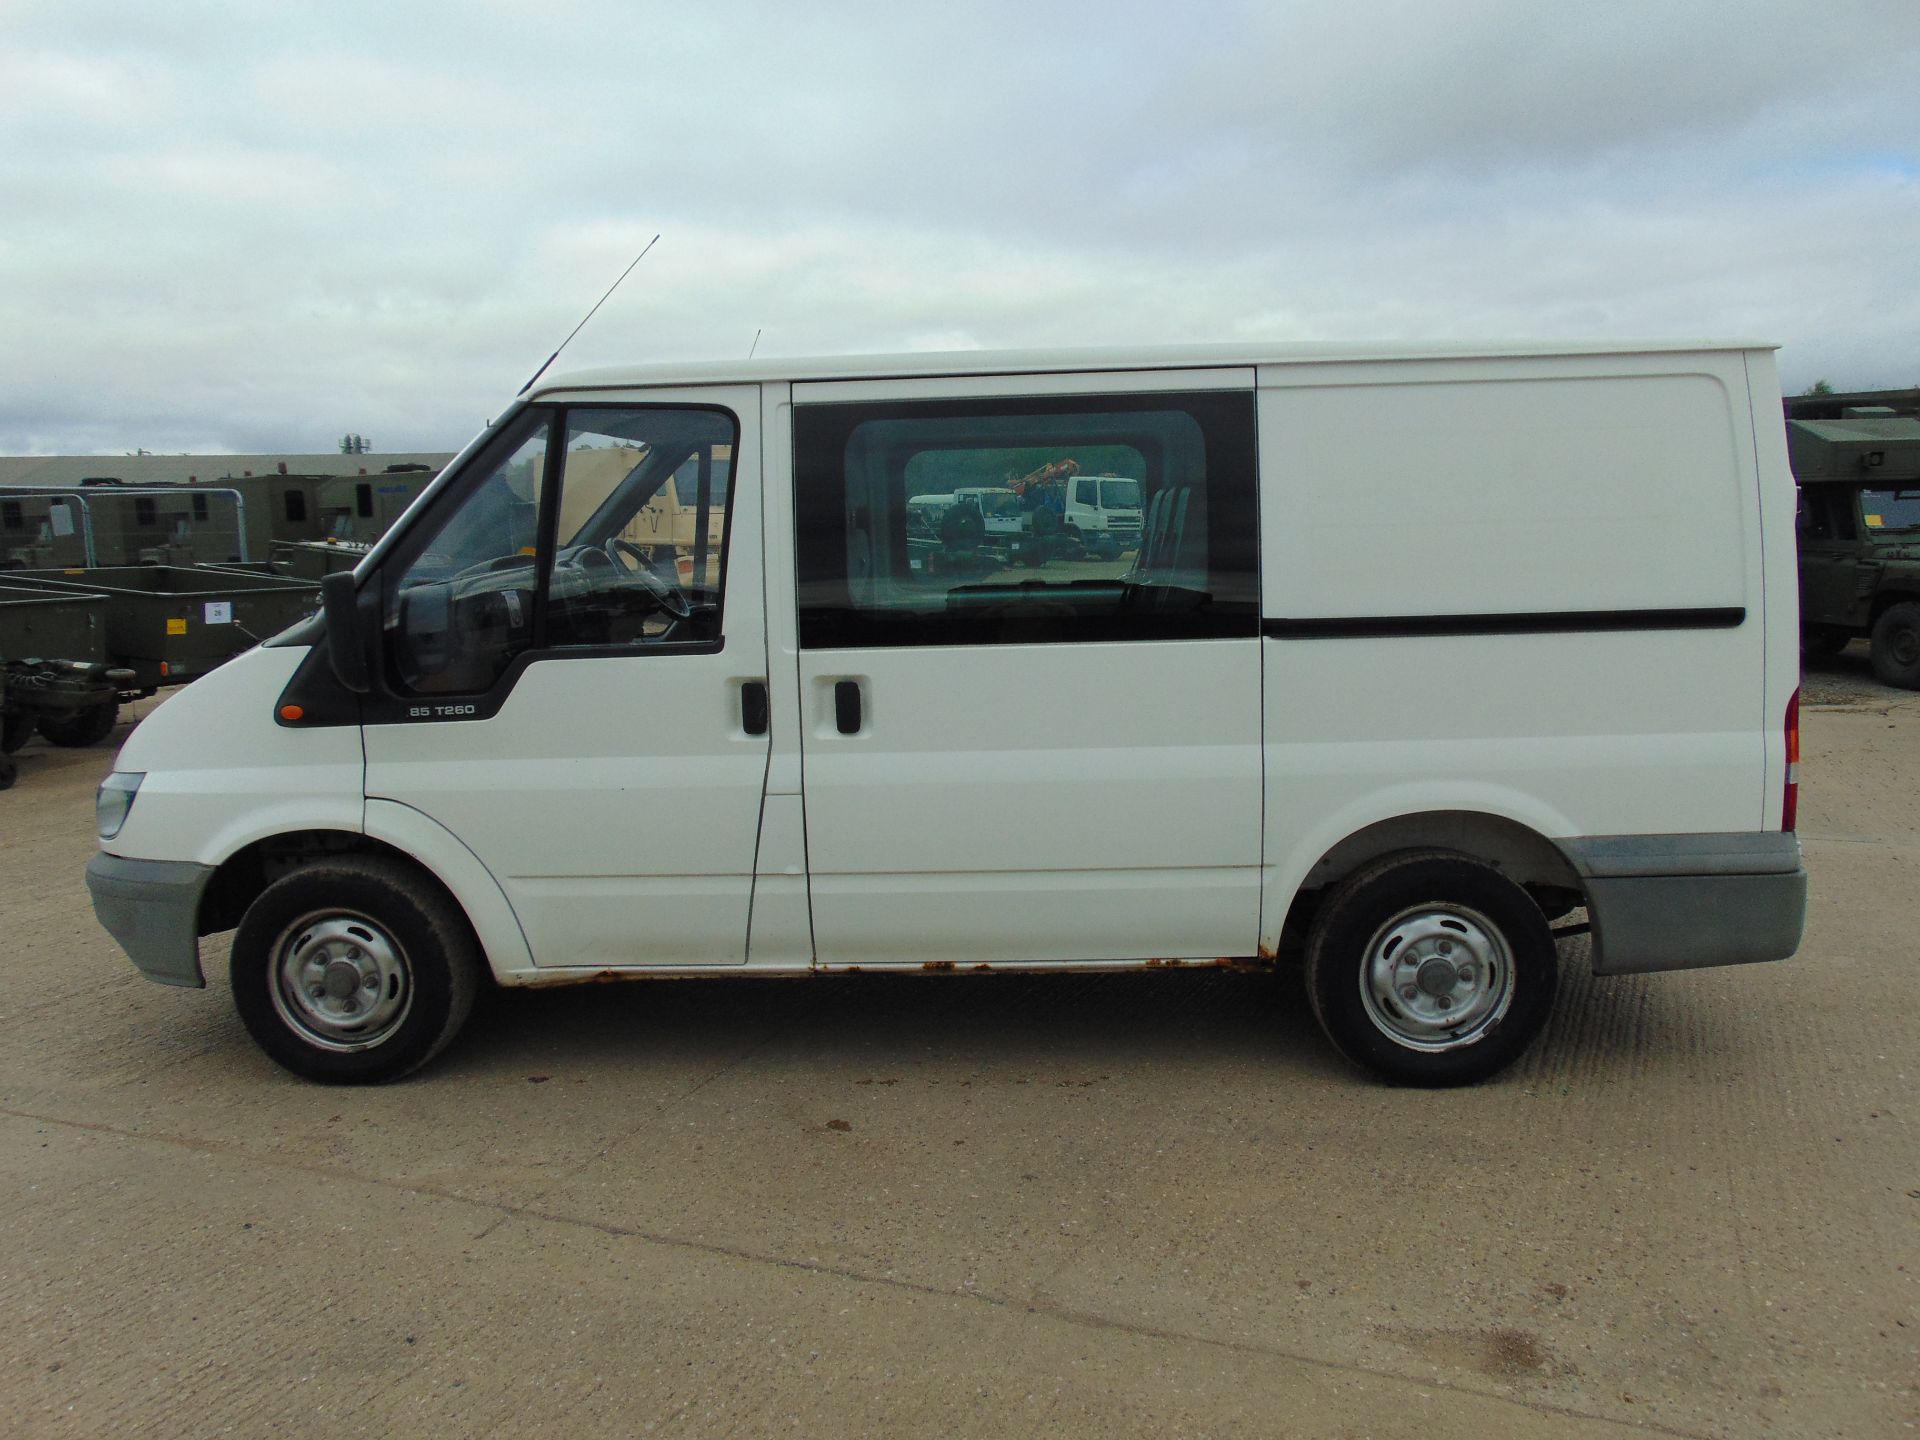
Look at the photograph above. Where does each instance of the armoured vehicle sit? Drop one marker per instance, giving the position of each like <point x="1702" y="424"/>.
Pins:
<point x="1860" y="537"/>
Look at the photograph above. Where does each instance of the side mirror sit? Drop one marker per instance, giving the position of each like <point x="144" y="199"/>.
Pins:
<point x="346" y="649"/>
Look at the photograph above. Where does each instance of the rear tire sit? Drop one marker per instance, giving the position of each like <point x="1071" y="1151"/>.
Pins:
<point x="1896" y="646"/>
<point x="1431" y="968"/>
<point x="354" y="970"/>
<point x="83" y="727"/>
<point x="9" y="772"/>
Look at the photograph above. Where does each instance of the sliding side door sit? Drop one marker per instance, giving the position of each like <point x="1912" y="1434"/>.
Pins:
<point x="1022" y="743"/>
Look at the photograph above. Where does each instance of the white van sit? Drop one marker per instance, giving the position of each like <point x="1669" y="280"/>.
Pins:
<point x="1424" y="650"/>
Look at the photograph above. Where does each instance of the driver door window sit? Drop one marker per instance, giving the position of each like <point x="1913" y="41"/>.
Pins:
<point x="617" y="539"/>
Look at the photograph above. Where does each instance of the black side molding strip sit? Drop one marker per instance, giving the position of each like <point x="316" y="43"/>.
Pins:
<point x="1546" y="622"/>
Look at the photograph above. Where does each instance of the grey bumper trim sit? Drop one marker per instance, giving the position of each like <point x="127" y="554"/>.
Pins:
<point x="1683" y="902"/>
<point x="152" y="907"/>
<point x="1744" y="852"/>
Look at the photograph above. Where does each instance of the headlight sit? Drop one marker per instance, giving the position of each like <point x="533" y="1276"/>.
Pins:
<point x="115" y="799"/>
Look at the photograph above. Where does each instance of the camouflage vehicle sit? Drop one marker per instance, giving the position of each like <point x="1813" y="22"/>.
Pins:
<point x="1860" y="537"/>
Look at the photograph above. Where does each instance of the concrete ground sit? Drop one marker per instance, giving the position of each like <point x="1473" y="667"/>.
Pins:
<point x="1146" y="1205"/>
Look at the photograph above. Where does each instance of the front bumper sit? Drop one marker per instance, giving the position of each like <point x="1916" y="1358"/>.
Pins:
<point x="1684" y="902"/>
<point x="152" y="907"/>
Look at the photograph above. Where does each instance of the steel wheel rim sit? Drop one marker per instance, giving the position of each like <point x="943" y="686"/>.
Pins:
<point x="1905" y="644"/>
<point x="340" y="981"/>
<point x="1436" y="977"/>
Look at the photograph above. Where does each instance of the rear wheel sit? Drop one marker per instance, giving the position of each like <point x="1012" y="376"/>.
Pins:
<point x="1431" y="968"/>
<point x="83" y="727"/>
<point x="9" y="772"/>
<point x="1896" y="645"/>
<point x="354" y="970"/>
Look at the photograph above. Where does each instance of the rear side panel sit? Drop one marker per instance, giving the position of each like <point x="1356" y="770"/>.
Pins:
<point x="1527" y="587"/>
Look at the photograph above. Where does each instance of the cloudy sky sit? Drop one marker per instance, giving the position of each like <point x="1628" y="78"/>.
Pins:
<point x="228" y="225"/>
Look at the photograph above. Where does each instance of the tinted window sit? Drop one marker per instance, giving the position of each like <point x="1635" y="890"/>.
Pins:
<point x="463" y="609"/>
<point x="640" y="544"/>
<point x="888" y="555"/>
<point x="588" y="546"/>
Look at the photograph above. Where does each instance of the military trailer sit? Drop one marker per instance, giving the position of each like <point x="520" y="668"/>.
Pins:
<point x="1860" y="537"/>
<point x="168" y="624"/>
<point x="54" y="674"/>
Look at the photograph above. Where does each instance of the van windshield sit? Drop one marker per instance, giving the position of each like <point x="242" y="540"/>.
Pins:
<point x="1120" y="494"/>
<point x="1890" y="509"/>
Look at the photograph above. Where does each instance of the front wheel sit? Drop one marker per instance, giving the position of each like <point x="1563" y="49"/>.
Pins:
<point x="1431" y="968"/>
<point x="354" y="970"/>
<point x="1896" y="646"/>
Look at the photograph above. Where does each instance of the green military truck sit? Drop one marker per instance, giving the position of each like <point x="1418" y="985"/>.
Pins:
<point x="1860" y="537"/>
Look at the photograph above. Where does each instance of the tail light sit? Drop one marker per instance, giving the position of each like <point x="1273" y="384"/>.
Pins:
<point x="1790" y="806"/>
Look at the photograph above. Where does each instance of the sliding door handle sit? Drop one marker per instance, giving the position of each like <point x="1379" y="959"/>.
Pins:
<point x="846" y="707"/>
<point x="754" y="708"/>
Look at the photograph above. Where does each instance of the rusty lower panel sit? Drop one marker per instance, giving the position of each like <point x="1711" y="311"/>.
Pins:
<point x="552" y="980"/>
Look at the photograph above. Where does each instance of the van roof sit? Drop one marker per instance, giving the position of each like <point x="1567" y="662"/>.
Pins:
<point x="953" y="363"/>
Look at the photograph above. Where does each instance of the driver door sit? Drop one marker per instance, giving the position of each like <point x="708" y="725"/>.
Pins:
<point x="568" y="642"/>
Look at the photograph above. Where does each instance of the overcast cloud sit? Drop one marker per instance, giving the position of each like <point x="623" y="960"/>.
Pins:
<point x="252" y="226"/>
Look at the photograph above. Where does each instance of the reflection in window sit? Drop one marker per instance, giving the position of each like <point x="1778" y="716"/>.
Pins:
<point x="641" y="541"/>
<point x="972" y="522"/>
<point x="464" y="608"/>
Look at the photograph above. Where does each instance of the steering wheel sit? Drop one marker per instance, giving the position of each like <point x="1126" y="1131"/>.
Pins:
<point x="630" y="559"/>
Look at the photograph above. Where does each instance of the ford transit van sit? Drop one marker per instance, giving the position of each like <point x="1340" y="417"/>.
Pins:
<point x="1421" y="653"/>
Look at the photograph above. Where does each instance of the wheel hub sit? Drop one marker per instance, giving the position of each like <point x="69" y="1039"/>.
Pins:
<point x="341" y="981"/>
<point x="1437" y="976"/>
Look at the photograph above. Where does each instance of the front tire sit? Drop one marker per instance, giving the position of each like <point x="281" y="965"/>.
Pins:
<point x="354" y="970"/>
<point x="1431" y="968"/>
<point x="1896" y="646"/>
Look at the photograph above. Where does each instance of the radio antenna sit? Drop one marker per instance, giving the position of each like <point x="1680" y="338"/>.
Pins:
<point x="755" y="345"/>
<point x="589" y="315"/>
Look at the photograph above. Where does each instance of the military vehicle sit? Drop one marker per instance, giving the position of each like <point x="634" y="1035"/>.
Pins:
<point x="1860" y="537"/>
<point x="54" y="674"/>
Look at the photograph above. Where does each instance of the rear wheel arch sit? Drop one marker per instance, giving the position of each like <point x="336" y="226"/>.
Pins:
<point x="1516" y="850"/>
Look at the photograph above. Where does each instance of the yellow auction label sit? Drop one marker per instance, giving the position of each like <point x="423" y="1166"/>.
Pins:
<point x="176" y="627"/>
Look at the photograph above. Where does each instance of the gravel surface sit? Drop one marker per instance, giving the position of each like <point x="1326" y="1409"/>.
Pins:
<point x="1147" y="1205"/>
